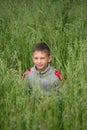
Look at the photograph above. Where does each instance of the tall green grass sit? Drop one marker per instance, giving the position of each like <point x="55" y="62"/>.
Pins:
<point x="63" y="25"/>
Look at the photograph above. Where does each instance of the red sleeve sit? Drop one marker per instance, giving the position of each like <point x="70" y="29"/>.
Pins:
<point x="26" y="72"/>
<point x="58" y="74"/>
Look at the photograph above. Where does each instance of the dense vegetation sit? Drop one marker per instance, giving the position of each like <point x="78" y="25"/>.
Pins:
<point x="62" y="24"/>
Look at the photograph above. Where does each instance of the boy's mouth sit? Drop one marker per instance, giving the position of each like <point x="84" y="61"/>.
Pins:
<point x="40" y="65"/>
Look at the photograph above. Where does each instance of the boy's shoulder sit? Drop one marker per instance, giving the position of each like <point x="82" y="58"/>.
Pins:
<point x="58" y="74"/>
<point x="26" y="72"/>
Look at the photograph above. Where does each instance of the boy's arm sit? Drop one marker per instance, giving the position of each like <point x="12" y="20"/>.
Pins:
<point x="59" y="81"/>
<point x="24" y="76"/>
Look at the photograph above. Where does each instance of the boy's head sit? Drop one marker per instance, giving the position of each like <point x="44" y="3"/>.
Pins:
<point x="42" y="47"/>
<point x="41" y="56"/>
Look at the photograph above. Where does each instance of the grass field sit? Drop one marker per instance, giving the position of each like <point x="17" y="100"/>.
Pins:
<point x="62" y="24"/>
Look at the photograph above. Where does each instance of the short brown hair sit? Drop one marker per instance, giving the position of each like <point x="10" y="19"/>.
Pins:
<point x="41" y="47"/>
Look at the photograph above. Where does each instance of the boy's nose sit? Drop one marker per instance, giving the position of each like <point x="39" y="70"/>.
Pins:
<point x="39" y="60"/>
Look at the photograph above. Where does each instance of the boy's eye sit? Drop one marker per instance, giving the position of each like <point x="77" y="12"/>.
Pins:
<point x="35" y="58"/>
<point x="43" y="58"/>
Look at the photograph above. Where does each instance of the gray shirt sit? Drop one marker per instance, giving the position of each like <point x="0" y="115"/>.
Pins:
<point x="45" y="80"/>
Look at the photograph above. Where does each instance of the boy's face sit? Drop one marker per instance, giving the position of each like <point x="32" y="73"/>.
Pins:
<point x="41" y="60"/>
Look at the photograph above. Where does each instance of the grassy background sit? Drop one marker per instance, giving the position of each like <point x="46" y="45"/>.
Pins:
<point x="63" y="26"/>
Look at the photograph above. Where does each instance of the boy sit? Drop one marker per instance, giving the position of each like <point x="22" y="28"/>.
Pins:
<point x="42" y="74"/>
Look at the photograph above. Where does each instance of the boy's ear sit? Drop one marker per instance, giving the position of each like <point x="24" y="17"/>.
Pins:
<point x="50" y="58"/>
